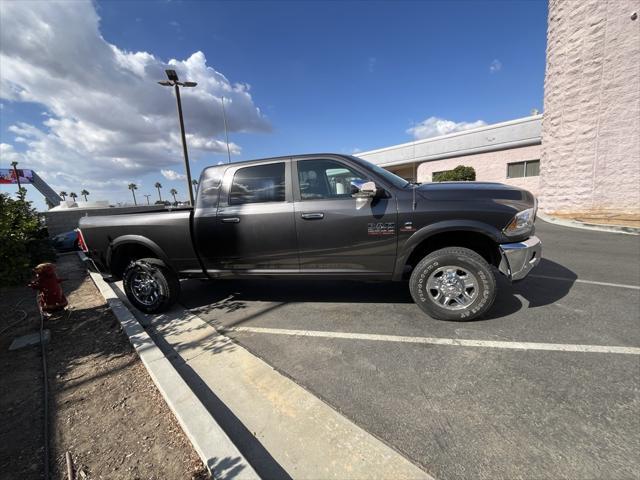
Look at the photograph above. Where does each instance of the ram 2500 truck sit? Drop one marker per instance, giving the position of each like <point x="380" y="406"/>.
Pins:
<point x="325" y="216"/>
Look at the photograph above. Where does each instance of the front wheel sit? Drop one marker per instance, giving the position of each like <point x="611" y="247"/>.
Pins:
<point x="150" y="285"/>
<point x="453" y="283"/>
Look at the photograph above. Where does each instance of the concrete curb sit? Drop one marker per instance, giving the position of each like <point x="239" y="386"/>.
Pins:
<point x="215" y="448"/>
<point x="589" y="226"/>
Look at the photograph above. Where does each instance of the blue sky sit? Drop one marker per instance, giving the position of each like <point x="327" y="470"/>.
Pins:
<point x="323" y="76"/>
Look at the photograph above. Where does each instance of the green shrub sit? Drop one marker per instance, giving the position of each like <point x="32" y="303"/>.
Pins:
<point x="458" y="174"/>
<point x="23" y="240"/>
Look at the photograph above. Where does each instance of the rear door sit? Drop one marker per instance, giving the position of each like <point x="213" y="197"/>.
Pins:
<point x="253" y="229"/>
<point x="336" y="232"/>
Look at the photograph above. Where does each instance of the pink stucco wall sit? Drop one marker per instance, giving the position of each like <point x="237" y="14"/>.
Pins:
<point x="591" y="127"/>
<point x="489" y="167"/>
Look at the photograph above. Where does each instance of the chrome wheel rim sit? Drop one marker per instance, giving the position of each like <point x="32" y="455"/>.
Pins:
<point x="452" y="287"/>
<point x="145" y="288"/>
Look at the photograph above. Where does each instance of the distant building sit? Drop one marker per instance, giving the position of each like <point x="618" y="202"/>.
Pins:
<point x="507" y="152"/>
<point x="583" y="158"/>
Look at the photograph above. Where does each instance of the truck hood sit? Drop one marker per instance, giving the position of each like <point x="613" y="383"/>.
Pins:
<point x="477" y="191"/>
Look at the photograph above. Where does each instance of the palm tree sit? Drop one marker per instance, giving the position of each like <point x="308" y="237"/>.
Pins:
<point x="133" y="187"/>
<point x="174" y="192"/>
<point x="158" y="185"/>
<point x="84" y="193"/>
<point x="195" y="185"/>
<point x="73" y="195"/>
<point x="63" y="194"/>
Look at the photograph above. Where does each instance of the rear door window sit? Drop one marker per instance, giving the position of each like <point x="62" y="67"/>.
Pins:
<point x="258" y="184"/>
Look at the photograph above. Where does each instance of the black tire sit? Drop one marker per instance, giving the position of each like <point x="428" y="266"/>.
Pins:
<point x="164" y="285"/>
<point x="468" y="267"/>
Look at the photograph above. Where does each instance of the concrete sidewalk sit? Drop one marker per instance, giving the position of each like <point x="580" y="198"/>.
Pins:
<point x="294" y="433"/>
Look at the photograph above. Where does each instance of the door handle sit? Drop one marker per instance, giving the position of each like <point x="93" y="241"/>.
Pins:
<point x="313" y="216"/>
<point x="230" y="220"/>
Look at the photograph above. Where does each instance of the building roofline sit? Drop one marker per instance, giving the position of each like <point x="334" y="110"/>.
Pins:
<point x="516" y="121"/>
<point x="463" y="153"/>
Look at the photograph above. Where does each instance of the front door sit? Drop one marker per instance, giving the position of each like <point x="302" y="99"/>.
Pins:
<point x="336" y="232"/>
<point x="254" y="227"/>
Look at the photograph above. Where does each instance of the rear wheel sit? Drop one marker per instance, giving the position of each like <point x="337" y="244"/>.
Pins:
<point x="150" y="285"/>
<point x="453" y="283"/>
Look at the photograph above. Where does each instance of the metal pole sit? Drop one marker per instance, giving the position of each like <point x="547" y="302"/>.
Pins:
<point x="226" y="135"/>
<point x="184" y="146"/>
<point x="15" y="171"/>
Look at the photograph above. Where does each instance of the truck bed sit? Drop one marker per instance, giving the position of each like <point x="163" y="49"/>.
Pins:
<point x="169" y="229"/>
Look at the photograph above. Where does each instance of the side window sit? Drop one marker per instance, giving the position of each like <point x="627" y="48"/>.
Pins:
<point x="325" y="179"/>
<point x="262" y="183"/>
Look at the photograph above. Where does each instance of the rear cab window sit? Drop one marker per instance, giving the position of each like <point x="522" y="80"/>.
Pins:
<point x="208" y="189"/>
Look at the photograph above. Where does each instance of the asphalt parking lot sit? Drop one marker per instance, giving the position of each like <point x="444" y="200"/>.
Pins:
<point x="490" y="403"/>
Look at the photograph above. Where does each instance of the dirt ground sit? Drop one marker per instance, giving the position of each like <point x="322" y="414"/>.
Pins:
<point x="103" y="407"/>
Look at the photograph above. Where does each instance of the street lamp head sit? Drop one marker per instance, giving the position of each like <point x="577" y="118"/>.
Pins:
<point x="172" y="75"/>
<point x="166" y="83"/>
<point x="189" y="84"/>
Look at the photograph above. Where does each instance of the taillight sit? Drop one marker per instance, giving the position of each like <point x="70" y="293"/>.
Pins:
<point x="81" y="243"/>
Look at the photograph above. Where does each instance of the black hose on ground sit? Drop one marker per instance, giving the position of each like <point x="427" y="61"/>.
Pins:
<point x="45" y="379"/>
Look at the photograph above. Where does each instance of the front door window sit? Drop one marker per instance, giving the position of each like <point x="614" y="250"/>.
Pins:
<point x="325" y="179"/>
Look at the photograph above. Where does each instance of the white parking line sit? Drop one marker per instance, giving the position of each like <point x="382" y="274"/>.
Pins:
<point x="590" y="282"/>
<point x="456" y="342"/>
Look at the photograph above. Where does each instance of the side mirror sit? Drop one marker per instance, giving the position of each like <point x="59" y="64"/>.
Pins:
<point x="360" y="189"/>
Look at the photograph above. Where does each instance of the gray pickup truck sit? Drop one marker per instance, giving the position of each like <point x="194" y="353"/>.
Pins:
<point x="325" y="216"/>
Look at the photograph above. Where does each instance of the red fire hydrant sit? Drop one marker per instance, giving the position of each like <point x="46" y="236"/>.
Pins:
<point x="51" y="297"/>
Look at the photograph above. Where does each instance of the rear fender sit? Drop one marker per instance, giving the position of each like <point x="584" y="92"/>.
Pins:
<point x="137" y="240"/>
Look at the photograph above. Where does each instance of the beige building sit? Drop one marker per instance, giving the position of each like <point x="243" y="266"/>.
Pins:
<point x="590" y="163"/>
<point x="583" y="159"/>
<point x="507" y="152"/>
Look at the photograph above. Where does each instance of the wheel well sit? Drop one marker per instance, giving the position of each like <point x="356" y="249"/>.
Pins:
<point x="478" y="242"/>
<point x="125" y="254"/>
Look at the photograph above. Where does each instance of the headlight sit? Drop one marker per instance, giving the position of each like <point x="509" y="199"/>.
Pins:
<point x="521" y="223"/>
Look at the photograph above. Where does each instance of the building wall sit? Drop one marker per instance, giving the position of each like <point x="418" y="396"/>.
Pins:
<point x="591" y="125"/>
<point x="489" y="166"/>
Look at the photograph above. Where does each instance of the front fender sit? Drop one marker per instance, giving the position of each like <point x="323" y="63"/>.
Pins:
<point x="418" y="237"/>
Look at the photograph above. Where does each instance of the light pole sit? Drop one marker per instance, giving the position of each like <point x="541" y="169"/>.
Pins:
<point x="176" y="84"/>
<point x="147" y="197"/>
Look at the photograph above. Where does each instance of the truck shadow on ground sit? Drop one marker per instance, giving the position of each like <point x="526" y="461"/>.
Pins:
<point x="232" y="296"/>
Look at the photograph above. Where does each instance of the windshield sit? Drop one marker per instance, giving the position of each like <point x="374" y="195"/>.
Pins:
<point x="392" y="178"/>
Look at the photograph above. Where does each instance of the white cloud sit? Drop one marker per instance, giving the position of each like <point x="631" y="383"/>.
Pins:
<point x="434" y="126"/>
<point x="172" y="174"/>
<point x="495" y="66"/>
<point x="108" y="121"/>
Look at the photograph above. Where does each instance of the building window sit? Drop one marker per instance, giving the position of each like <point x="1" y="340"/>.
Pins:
<point x="262" y="183"/>
<point x="530" y="168"/>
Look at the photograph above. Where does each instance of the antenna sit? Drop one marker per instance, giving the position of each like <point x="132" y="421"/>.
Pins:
<point x="415" y="170"/>
<point x="226" y="134"/>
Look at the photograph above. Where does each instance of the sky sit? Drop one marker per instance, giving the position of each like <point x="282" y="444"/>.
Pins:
<point x="80" y="105"/>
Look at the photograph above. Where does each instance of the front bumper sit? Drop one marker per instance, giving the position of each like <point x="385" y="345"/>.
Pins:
<point x="520" y="257"/>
